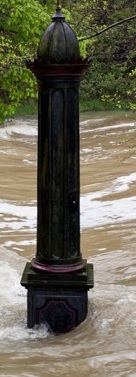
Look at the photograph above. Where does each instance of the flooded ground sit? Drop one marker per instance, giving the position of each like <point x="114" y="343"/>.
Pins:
<point x="104" y="344"/>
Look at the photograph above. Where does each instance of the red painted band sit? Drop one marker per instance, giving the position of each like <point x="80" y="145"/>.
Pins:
<point x="62" y="269"/>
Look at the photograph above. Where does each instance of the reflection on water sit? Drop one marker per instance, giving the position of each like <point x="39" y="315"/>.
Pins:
<point x="105" y="344"/>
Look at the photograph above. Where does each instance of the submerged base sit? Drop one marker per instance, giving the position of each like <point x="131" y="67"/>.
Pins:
<point x="58" y="300"/>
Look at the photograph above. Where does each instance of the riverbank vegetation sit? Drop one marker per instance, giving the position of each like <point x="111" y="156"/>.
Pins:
<point x="105" y="30"/>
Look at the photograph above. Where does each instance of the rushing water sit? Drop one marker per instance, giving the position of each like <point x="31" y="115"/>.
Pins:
<point x="104" y="344"/>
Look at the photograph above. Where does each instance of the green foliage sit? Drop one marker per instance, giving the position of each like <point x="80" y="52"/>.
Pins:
<point x="29" y="108"/>
<point x="111" y="80"/>
<point x="22" y="23"/>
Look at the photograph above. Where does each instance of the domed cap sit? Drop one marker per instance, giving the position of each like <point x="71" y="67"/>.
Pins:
<point x="58" y="42"/>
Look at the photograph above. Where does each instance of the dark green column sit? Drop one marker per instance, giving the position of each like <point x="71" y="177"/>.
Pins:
<point x="58" y="278"/>
<point x="58" y="225"/>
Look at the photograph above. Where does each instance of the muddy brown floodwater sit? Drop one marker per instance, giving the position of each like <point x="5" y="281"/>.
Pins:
<point x="104" y="345"/>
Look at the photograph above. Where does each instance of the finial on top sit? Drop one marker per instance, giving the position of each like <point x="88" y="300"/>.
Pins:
<point x="58" y="16"/>
<point x="58" y="4"/>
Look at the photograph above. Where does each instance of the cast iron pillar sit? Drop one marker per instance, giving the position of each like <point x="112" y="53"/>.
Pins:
<point x="58" y="278"/>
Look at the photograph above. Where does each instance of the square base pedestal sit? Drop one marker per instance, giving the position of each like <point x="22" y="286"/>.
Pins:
<point x="58" y="300"/>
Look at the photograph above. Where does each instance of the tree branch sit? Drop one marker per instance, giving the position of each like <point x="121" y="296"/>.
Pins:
<point x="107" y="28"/>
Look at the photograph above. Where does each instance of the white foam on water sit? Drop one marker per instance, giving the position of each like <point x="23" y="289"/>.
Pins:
<point x="109" y="309"/>
<point x="25" y="242"/>
<point x="28" y="162"/>
<point x="24" y="216"/>
<point x="88" y="121"/>
<point x="96" y="212"/>
<point x="110" y="304"/>
<point x="20" y="128"/>
<point x="105" y="128"/>
<point x="25" y="127"/>
<point x="20" y="331"/>
<point x="98" y="361"/>
<point x="8" y="151"/>
<point x="13" y="300"/>
<point x="93" y="212"/>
